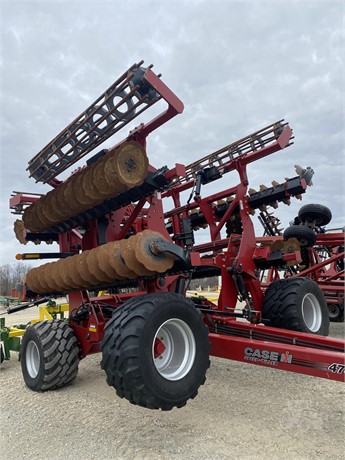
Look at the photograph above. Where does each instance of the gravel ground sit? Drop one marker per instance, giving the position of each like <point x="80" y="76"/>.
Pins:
<point x="242" y="412"/>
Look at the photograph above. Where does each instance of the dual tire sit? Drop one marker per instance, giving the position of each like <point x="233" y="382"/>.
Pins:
<point x="297" y="304"/>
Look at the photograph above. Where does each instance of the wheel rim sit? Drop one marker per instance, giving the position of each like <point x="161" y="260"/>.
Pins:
<point x="32" y="359"/>
<point x="333" y="310"/>
<point x="311" y="312"/>
<point x="174" y="349"/>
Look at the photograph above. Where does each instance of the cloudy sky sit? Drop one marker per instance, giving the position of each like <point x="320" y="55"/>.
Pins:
<point x="237" y="66"/>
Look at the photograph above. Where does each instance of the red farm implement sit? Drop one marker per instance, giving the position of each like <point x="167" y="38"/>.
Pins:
<point x="126" y="227"/>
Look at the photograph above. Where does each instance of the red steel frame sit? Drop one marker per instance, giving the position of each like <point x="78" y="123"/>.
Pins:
<point x="229" y="337"/>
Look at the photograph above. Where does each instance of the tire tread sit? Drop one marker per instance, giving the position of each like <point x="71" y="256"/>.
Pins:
<point x="119" y="347"/>
<point x="280" y="305"/>
<point x="60" y="353"/>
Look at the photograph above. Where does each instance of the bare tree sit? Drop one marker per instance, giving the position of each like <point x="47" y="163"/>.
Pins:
<point x="11" y="275"/>
<point x="19" y="270"/>
<point x="204" y="283"/>
<point x="5" y="279"/>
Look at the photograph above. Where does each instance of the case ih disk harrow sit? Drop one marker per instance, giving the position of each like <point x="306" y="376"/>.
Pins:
<point x="116" y="232"/>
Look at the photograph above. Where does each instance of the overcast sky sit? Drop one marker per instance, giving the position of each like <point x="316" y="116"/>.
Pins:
<point x="237" y="66"/>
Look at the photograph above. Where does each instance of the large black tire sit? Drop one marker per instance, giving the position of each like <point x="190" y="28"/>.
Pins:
<point x="336" y="312"/>
<point x="315" y="214"/>
<point x="297" y="304"/>
<point x="302" y="233"/>
<point x="156" y="351"/>
<point x="49" y="355"/>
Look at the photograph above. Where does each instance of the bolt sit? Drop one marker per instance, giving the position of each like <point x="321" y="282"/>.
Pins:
<point x="130" y="163"/>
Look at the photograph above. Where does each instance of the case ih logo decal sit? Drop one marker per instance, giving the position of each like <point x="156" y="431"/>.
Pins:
<point x="266" y="356"/>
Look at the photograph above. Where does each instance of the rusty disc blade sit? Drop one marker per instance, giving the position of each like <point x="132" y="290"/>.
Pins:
<point x="45" y="211"/>
<point x="103" y="187"/>
<point x="277" y="245"/>
<point x="128" y="251"/>
<point x="19" y="231"/>
<point x="70" y="199"/>
<point x="111" y="178"/>
<point x="57" y="201"/>
<point x="31" y="280"/>
<point x="111" y="270"/>
<point x="40" y="279"/>
<point x="51" y="209"/>
<point x="88" y="186"/>
<point x="130" y="164"/>
<point x="87" y="277"/>
<point x="49" y="278"/>
<point x="65" y="275"/>
<point x="83" y="199"/>
<point x="100" y="185"/>
<point x="30" y="217"/>
<point x="119" y="265"/>
<point x="72" y="272"/>
<point x="103" y="255"/>
<point x="292" y="245"/>
<point x="57" y="275"/>
<point x="94" y="269"/>
<point x="38" y="221"/>
<point x="27" y="216"/>
<point x="67" y="200"/>
<point x="160" y="262"/>
<point x="82" y="187"/>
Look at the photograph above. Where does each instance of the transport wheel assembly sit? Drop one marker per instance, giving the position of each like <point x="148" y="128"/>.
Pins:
<point x="302" y="233"/>
<point x="315" y="215"/>
<point x="297" y="304"/>
<point x="155" y="351"/>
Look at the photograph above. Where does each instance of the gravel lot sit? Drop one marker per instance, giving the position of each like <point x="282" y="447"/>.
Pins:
<point x="242" y="412"/>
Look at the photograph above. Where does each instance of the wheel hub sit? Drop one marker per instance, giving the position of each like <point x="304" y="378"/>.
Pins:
<point x="159" y="348"/>
<point x="32" y="359"/>
<point x="174" y="349"/>
<point x="311" y="312"/>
